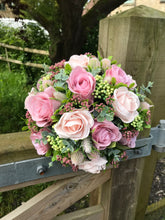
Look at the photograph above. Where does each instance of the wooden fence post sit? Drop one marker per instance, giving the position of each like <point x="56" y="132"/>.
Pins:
<point x="7" y="59"/>
<point x="135" y="38"/>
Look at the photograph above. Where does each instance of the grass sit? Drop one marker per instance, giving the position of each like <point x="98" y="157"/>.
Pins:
<point x="12" y="199"/>
<point x="13" y="90"/>
<point x="159" y="214"/>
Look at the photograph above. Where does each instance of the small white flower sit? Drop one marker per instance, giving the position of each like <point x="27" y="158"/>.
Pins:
<point x="77" y="158"/>
<point x="86" y="144"/>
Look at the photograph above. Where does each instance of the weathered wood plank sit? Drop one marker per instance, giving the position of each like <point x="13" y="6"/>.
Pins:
<point x="94" y="198"/>
<point x="105" y="198"/>
<point x="155" y="206"/>
<point x="146" y="183"/>
<point x="21" y="63"/>
<point x="43" y="180"/>
<point x="42" y="52"/>
<point x="91" y="213"/>
<point x="125" y="187"/>
<point x="56" y="198"/>
<point x="103" y="35"/>
<point x="16" y="147"/>
<point x="136" y="40"/>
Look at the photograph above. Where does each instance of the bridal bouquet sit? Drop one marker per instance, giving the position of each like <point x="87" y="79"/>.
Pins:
<point x="86" y="112"/>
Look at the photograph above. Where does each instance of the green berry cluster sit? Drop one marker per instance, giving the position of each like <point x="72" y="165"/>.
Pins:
<point x="103" y="88"/>
<point x="138" y="123"/>
<point x="56" y="143"/>
<point x="46" y="77"/>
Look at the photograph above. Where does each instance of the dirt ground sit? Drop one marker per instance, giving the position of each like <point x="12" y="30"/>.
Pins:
<point x="158" y="191"/>
<point x="158" y="185"/>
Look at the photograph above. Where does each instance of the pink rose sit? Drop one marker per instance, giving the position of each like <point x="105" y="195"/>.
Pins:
<point x="77" y="60"/>
<point x="95" y="165"/>
<point x="130" y="81"/>
<point x="41" y="107"/>
<point x="74" y="125"/>
<point x="81" y="82"/>
<point x="119" y="75"/>
<point x="104" y="133"/>
<point x="125" y="104"/>
<point x="40" y="148"/>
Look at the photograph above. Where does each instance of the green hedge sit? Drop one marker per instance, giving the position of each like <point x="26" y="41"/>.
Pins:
<point x="30" y="36"/>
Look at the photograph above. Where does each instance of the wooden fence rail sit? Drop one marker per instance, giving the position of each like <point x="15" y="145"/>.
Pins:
<point x="71" y="187"/>
<point x="29" y="50"/>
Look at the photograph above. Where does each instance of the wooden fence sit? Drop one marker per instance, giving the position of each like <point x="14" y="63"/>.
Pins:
<point x="71" y="187"/>
<point x="117" y="194"/>
<point x="29" y="50"/>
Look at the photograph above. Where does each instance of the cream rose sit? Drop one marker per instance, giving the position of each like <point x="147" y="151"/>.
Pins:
<point x="78" y="60"/>
<point x="74" y="125"/>
<point x="94" y="165"/>
<point x="125" y="104"/>
<point x="106" y="63"/>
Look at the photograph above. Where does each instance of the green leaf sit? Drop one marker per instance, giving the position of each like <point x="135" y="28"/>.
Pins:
<point x="109" y="116"/>
<point x="93" y="130"/>
<point x="48" y="153"/>
<point x="59" y="89"/>
<point x="68" y="69"/>
<point x="45" y="133"/>
<point x="50" y="164"/>
<point x="99" y="56"/>
<point x="147" y="126"/>
<point x="122" y="147"/>
<point x="102" y="113"/>
<point x="112" y="145"/>
<point x="44" y="140"/>
<point x="59" y="84"/>
<point x="131" y="85"/>
<point x="100" y="119"/>
<point x="96" y="71"/>
<point x="144" y="111"/>
<point x="54" y="156"/>
<point x="120" y="85"/>
<point x="37" y="141"/>
<point x="61" y="75"/>
<point x="25" y="128"/>
<point x="113" y="80"/>
<point x="110" y="57"/>
<point x="69" y="144"/>
<point x="113" y="62"/>
<point x="116" y="151"/>
<point x="95" y="113"/>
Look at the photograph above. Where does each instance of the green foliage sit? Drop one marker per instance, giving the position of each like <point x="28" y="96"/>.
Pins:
<point x="13" y="90"/>
<point x="91" y="44"/>
<point x="146" y="89"/>
<point x="105" y="114"/>
<point x="60" y="85"/>
<point x="12" y="199"/>
<point x="30" y="36"/>
<point x="143" y="90"/>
